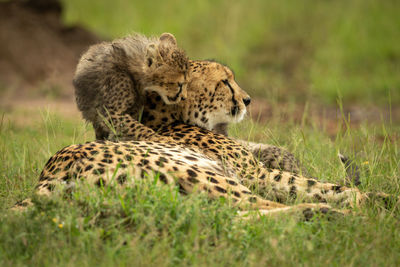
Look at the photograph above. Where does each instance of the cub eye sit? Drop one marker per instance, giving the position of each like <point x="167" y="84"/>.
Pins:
<point x="149" y="62"/>
<point x="225" y="81"/>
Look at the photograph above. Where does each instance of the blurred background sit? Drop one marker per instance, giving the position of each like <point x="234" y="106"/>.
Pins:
<point x="302" y="54"/>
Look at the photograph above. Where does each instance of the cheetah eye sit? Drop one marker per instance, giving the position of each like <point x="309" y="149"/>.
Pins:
<point x="225" y="81"/>
<point x="149" y="62"/>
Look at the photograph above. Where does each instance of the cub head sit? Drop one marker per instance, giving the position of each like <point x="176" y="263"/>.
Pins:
<point x="214" y="98"/>
<point x="165" y="68"/>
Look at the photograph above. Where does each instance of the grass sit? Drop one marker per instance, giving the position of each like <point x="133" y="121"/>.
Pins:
<point x="154" y="225"/>
<point x="293" y="49"/>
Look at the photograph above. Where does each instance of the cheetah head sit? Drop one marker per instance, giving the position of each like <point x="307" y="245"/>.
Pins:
<point x="165" y="69"/>
<point x="214" y="98"/>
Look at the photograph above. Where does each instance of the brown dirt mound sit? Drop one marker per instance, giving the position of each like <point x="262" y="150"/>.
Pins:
<point x="36" y="49"/>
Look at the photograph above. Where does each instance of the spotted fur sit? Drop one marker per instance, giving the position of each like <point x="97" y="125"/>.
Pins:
<point x="196" y="159"/>
<point x="109" y="91"/>
<point x="111" y="78"/>
<point x="214" y="100"/>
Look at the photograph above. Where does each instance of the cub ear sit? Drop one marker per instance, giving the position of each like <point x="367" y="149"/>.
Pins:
<point x="152" y="55"/>
<point x="168" y="38"/>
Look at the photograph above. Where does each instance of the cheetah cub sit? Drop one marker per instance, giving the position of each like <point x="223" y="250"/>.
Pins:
<point x="111" y="79"/>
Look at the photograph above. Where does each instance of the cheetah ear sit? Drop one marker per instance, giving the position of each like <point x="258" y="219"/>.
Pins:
<point x="168" y="38"/>
<point x="152" y="55"/>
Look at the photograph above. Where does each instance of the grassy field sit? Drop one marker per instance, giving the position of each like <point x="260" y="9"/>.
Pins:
<point x="152" y="225"/>
<point x="295" y="50"/>
<point x="284" y="51"/>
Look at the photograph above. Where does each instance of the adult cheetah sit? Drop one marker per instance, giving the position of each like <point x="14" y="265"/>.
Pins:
<point x="112" y="77"/>
<point x="195" y="158"/>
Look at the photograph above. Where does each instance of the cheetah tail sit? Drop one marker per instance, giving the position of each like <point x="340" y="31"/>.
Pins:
<point x="352" y="170"/>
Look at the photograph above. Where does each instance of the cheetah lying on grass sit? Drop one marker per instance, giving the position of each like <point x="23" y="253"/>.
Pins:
<point x="196" y="159"/>
<point x="112" y="78"/>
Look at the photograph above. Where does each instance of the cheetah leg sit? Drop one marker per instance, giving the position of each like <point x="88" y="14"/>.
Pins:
<point x="216" y="185"/>
<point x="118" y="117"/>
<point x="307" y="211"/>
<point x="285" y="186"/>
<point x="125" y="128"/>
<point x="130" y="129"/>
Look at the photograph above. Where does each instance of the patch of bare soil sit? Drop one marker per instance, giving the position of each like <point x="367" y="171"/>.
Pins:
<point x="36" y="49"/>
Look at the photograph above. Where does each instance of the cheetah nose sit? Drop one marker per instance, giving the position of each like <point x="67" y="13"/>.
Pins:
<point x="246" y="101"/>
